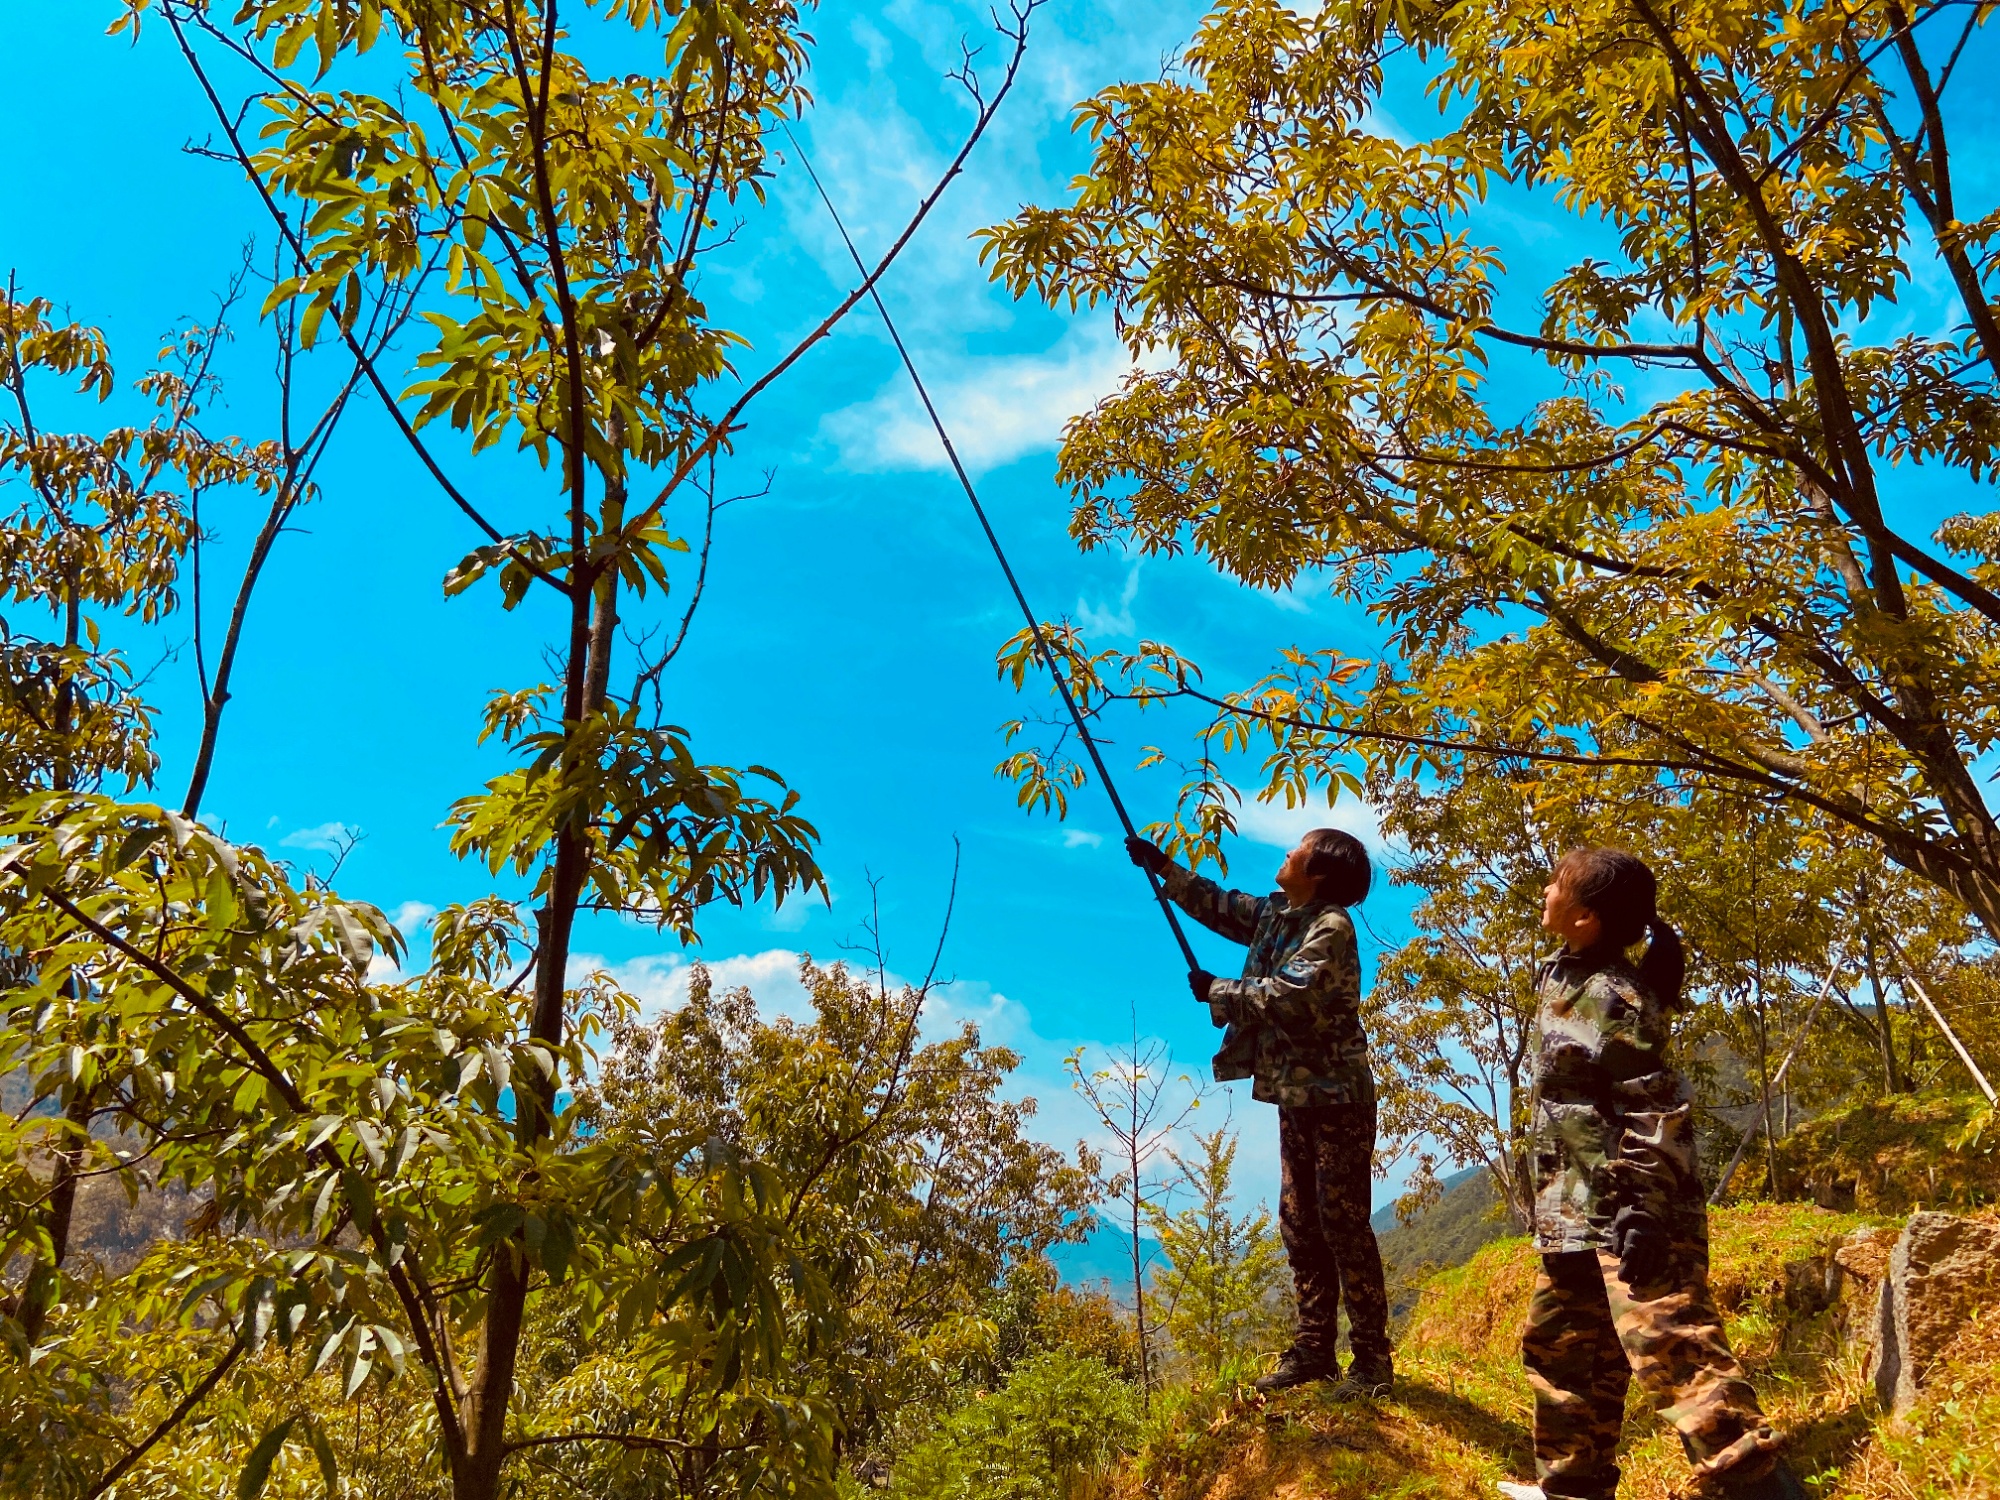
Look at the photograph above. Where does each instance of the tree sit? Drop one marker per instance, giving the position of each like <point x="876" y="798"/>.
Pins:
<point x="1223" y="1288"/>
<point x="909" y="1180"/>
<point x="394" y="1171"/>
<point x="1688" y="557"/>
<point x="1054" y="1428"/>
<point x="1132" y="1097"/>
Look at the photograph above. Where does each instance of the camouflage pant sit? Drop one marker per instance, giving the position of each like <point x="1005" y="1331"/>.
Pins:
<point x="1589" y="1332"/>
<point x="1327" y="1153"/>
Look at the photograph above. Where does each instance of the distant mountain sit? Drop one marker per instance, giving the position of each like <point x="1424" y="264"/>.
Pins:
<point x="1104" y="1255"/>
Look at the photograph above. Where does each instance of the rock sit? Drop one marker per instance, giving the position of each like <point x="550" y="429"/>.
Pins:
<point x="1811" y="1285"/>
<point x="1943" y="1267"/>
<point x="1860" y="1262"/>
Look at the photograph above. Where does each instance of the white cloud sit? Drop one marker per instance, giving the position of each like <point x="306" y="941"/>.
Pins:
<point x="326" y="838"/>
<point x="879" y="138"/>
<point x="996" y="409"/>
<point x="1081" y="838"/>
<point x="412" y="917"/>
<point x="1096" y="621"/>
<point x="659" y="981"/>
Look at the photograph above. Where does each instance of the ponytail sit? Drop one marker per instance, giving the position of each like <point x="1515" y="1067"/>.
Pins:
<point x="1664" y="966"/>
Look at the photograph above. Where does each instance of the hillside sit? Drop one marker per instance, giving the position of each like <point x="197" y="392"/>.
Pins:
<point x="1443" y="1234"/>
<point x="1459" y="1418"/>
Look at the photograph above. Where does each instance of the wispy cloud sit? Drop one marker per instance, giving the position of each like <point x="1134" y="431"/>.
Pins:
<point x="412" y="917"/>
<point x="1081" y="838"/>
<point x="1095" y="620"/>
<point x="997" y="409"/>
<point x="326" y="838"/>
<point x="1289" y="600"/>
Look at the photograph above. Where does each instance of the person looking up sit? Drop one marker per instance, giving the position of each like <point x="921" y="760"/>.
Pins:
<point x="1619" y="1216"/>
<point x="1293" y="1026"/>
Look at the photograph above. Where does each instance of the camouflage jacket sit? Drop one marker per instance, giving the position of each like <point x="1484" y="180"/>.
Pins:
<point x="1613" y="1122"/>
<point x="1294" y="1018"/>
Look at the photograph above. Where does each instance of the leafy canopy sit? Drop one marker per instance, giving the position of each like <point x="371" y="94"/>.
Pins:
<point x="1690" y="552"/>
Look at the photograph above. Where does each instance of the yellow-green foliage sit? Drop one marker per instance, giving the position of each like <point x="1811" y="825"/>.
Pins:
<point x="1893" y="1155"/>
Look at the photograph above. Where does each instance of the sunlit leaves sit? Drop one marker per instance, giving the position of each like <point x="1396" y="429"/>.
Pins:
<point x="560" y="207"/>
<point x="1677" y="546"/>
<point x="666" y="834"/>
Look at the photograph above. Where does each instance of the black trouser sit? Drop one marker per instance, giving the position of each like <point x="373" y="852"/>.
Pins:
<point x="1327" y="1153"/>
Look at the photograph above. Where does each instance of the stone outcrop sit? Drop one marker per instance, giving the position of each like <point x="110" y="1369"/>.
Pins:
<point x="1943" y="1267"/>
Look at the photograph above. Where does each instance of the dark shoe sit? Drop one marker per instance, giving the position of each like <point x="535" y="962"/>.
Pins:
<point x="1778" y="1482"/>
<point x="1296" y="1367"/>
<point x="1364" y="1385"/>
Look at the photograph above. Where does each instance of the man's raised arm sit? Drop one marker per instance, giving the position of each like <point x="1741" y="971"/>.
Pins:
<point x="1230" y="914"/>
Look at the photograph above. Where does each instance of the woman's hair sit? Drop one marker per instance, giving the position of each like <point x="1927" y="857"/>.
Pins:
<point x="1622" y="892"/>
<point x="1338" y="862"/>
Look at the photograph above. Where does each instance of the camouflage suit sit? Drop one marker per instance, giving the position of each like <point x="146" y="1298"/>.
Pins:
<point x="1293" y="1027"/>
<point x="1622" y="1226"/>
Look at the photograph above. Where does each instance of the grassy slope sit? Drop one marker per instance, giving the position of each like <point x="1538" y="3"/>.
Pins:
<point x="1459" y="1419"/>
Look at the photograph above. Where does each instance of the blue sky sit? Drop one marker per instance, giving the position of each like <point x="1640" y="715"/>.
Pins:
<point x="848" y="634"/>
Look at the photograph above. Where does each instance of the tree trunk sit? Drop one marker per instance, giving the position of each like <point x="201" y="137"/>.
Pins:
<point x="593" y="629"/>
<point x="1139" y="1287"/>
<point x="1892" y="1074"/>
<point x="1764" y="1086"/>
<point x="44" y="1284"/>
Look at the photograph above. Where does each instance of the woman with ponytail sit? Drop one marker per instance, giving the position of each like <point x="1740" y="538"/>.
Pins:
<point x="1620" y="1220"/>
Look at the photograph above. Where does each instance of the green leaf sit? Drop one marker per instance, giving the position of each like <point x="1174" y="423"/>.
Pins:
<point x="329" y="1467"/>
<point x="257" y="1468"/>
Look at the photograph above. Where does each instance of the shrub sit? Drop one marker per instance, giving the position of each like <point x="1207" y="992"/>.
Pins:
<point x="1049" y="1433"/>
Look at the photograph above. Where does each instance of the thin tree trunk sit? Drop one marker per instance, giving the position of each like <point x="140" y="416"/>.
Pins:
<point x="593" y="630"/>
<point x="1139" y="1276"/>
<point x="1892" y="1073"/>
<point x="1764" y="1082"/>
<point x="44" y="1284"/>
<point x="44" y="1281"/>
